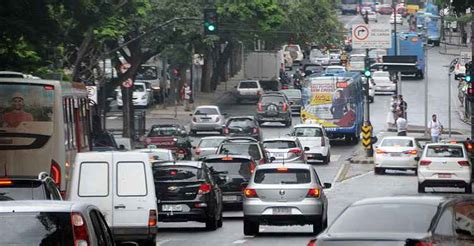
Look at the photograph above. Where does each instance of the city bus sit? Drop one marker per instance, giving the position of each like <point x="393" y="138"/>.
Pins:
<point x="337" y="103"/>
<point x="433" y="26"/>
<point x="43" y="124"/>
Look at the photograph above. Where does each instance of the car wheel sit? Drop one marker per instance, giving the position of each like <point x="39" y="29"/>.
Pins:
<point x="379" y="170"/>
<point x="468" y="189"/>
<point x="288" y="123"/>
<point x="251" y="228"/>
<point x="260" y="123"/>
<point x="318" y="226"/>
<point x="211" y="223"/>
<point x="326" y="159"/>
<point x="416" y="171"/>
<point x="220" y="221"/>
<point x="421" y="188"/>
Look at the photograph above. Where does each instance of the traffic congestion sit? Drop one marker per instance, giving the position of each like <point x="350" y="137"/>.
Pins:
<point x="246" y="141"/>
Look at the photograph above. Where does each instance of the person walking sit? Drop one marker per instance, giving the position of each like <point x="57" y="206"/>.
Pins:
<point x="436" y="128"/>
<point x="402" y="105"/>
<point x="401" y="125"/>
<point x="186" y="96"/>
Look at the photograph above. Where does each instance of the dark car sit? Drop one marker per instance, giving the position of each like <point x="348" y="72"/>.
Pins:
<point x="273" y="107"/>
<point x="186" y="192"/>
<point x="231" y="173"/>
<point x="242" y="126"/>
<point x="244" y="146"/>
<point x="170" y="136"/>
<point x="29" y="188"/>
<point x="404" y="221"/>
<point x="310" y="69"/>
<point x="295" y="98"/>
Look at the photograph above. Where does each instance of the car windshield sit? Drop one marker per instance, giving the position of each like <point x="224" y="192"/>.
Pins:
<point x="139" y="87"/>
<point x="250" y="149"/>
<point x="308" y="132"/>
<point x="210" y="142"/>
<point x="404" y="218"/>
<point x="450" y="151"/>
<point x="23" y="190"/>
<point x="282" y="176"/>
<point x="292" y="93"/>
<point x="248" y="85"/>
<point x="244" y="123"/>
<point x="206" y="111"/>
<point x="147" y="73"/>
<point x="176" y="173"/>
<point x="393" y="142"/>
<point x="315" y="53"/>
<point x="312" y="68"/>
<point x="241" y="167"/>
<point x="163" y="131"/>
<point x="36" y="228"/>
<point x="279" y="144"/>
<point x="272" y="99"/>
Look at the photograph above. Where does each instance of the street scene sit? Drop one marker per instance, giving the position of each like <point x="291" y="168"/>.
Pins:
<point x="344" y="122"/>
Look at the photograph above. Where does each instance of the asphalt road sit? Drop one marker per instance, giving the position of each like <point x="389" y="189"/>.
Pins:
<point x="342" y="193"/>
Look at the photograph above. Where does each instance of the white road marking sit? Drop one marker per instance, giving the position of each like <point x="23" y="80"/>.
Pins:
<point x="112" y="117"/>
<point x="161" y="242"/>
<point x="335" y="158"/>
<point x="241" y="241"/>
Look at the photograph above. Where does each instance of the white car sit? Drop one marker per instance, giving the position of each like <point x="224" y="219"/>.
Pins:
<point x="335" y="70"/>
<point x="284" y="149"/>
<point x="382" y="83"/>
<point x="397" y="18"/>
<point x="320" y="59"/>
<point x="157" y="155"/>
<point x="356" y="62"/>
<point x="444" y="165"/>
<point x="314" y="140"/>
<point x="142" y="96"/>
<point x="372" y="16"/>
<point x="295" y="52"/>
<point x="207" y="118"/>
<point x="459" y="67"/>
<point x="207" y="146"/>
<point x="396" y="152"/>
<point x="248" y="90"/>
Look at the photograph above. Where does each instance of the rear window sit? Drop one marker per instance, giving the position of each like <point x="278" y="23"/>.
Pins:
<point x="164" y="131"/>
<point x="206" y="111"/>
<point x="177" y="173"/>
<point x="23" y="190"/>
<point x="36" y="228"/>
<point x="241" y="123"/>
<point x="248" y="85"/>
<point x="295" y="93"/>
<point x="450" y="151"/>
<point x="279" y="144"/>
<point x="308" y="132"/>
<point x="241" y="167"/>
<point x="272" y="99"/>
<point x="284" y="176"/>
<point x="249" y="149"/>
<point x="210" y="143"/>
<point x="397" y="143"/>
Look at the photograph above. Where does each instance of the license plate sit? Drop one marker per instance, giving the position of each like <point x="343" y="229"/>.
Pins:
<point x="180" y="155"/>
<point x="278" y="155"/>
<point x="444" y="175"/>
<point x="281" y="211"/>
<point x="169" y="207"/>
<point x="230" y="198"/>
<point x="205" y="120"/>
<point x="396" y="154"/>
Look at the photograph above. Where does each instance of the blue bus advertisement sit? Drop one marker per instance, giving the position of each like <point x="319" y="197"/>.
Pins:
<point x="410" y="44"/>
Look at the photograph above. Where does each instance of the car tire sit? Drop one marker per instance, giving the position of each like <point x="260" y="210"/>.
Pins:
<point x="211" y="223"/>
<point x="120" y="107"/>
<point x="260" y="123"/>
<point x="318" y="226"/>
<point x="416" y="171"/>
<point x="220" y="221"/>
<point x="251" y="228"/>
<point x="326" y="159"/>
<point x="421" y="188"/>
<point x="379" y="170"/>
<point x="468" y="189"/>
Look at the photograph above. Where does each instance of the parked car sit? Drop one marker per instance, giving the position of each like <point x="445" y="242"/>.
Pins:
<point x="121" y="185"/>
<point x="170" y="136"/>
<point x="284" y="149"/>
<point x="29" y="188"/>
<point x="295" y="98"/>
<point x="207" y="118"/>
<point x="186" y="192"/>
<point x="396" y="152"/>
<point x="396" y="18"/>
<point x="231" y="172"/>
<point x="244" y="146"/>
<point x="273" y="107"/>
<point x="248" y="90"/>
<point x="414" y="221"/>
<point x="142" y="95"/>
<point x="245" y="126"/>
<point x="289" y="194"/>
<point x="295" y="52"/>
<point x="445" y="165"/>
<point x="207" y="146"/>
<point x="315" y="142"/>
<point x="385" y="9"/>
<point x="382" y="83"/>
<point x="157" y="155"/>
<point x="53" y="223"/>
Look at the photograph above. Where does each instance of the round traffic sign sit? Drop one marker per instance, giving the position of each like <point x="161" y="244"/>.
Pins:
<point x="127" y="83"/>
<point x="124" y="67"/>
<point x="361" y="32"/>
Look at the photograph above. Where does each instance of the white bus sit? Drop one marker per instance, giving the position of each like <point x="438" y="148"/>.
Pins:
<point x="43" y="124"/>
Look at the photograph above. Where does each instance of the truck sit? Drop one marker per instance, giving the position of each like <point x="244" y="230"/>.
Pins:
<point x="410" y="44"/>
<point x="264" y="66"/>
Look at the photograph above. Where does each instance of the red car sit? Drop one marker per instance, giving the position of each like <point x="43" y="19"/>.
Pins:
<point x="385" y="10"/>
<point x="170" y="136"/>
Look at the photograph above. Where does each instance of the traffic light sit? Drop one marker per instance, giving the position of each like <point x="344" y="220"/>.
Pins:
<point x="367" y="71"/>
<point x="210" y="21"/>
<point x="469" y="72"/>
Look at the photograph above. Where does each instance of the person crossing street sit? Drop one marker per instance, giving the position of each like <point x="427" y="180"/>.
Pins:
<point x="436" y="128"/>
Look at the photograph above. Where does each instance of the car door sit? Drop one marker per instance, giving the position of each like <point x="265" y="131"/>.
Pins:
<point x="100" y="230"/>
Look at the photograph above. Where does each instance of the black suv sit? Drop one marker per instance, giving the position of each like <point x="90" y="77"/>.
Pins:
<point x="186" y="191"/>
<point x="244" y="146"/>
<point x="231" y="173"/>
<point x="29" y="188"/>
<point x="243" y="126"/>
<point x="273" y="107"/>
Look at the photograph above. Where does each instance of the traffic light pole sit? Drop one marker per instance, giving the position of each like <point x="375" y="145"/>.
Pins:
<point x="367" y="125"/>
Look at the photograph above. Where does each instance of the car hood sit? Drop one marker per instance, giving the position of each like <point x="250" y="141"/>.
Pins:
<point x="367" y="239"/>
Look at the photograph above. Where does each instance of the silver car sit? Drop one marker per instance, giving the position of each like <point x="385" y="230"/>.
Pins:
<point x="284" y="194"/>
<point x="287" y="149"/>
<point x="207" y="118"/>
<point x="207" y="146"/>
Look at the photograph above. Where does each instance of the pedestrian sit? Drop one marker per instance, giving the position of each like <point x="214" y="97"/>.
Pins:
<point x="186" y="96"/>
<point x="401" y="125"/>
<point x="436" y="128"/>
<point x="402" y="105"/>
<point x="394" y="108"/>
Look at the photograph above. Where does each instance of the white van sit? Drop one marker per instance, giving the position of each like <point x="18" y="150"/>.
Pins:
<point x="121" y="185"/>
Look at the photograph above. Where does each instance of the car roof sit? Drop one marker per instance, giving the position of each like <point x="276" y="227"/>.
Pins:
<point x="165" y="125"/>
<point x="249" y="80"/>
<point x="241" y="117"/>
<point x="196" y="164"/>
<point x="280" y="139"/>
<point x="399" y="137"/>
<point x="222" y="156"/>
<point x="357" y="54"/>
<point x="427" y="200"/>
<point x="444" y="144"/>
<point x="207" y="106"/>
<point x="152" y="150"/>
<point x="43" y="206"/>
<point x="213" y="137"/>
<point x="286" y="164"/>
<point x="308" y="125"/>
<point x="336" y="67"/>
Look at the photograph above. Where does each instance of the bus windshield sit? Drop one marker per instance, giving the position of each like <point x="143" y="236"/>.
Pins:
<point x="26" y="111"/>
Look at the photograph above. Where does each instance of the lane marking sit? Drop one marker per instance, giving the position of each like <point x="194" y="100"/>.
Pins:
<point x="161" y="242"/>
<point x="240" y="241"/>
<point x="112" y="117"/>
<point x="335" y="158"/>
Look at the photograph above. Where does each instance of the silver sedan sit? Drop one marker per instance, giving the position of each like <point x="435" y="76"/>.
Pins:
<point x="207" y="118"/>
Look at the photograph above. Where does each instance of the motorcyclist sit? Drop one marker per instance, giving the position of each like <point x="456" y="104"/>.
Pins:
<point x="297" y="79"/>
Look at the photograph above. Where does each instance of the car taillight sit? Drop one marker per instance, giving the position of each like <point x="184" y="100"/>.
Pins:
<point x="5" y="182"/>
<point x="79" y="229"/>
<point x="463" y="163"/>
<point x="423" y="244"/>
<point x="312" y="242"/>
<point x="315" y="192"/>
<point x="252" y="166"/>
<point x="323" y="141"/>
<point x="255" y="130"/>
<point x="260" y="107"/>
<point x="204" y="189"/>
<point x="425" y="162"/>
<point x="295" y="151"/>
<point x="226" y="130"/>
<point x="250" y="193"/>
<point x="379" y="151"/>
<point x="197" y="151"/>
<point x="152" y="218"/>
<point x="285" y="107"/>
<point x="55" y="173"/>
<point x="194" y="119"/>
<point x="410" y="152"/>
<point x="217" y="119"/>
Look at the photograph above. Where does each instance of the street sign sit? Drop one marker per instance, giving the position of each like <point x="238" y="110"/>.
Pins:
<point x="92" y="93"/>
<point x="371" y="36"/>
<point x="124" y="67"/>
<point x="127" y="83"/>
<point x="367" y="136"/>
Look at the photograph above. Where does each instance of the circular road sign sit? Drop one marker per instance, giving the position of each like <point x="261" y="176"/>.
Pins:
<point x="361" y="33"/>
<point x="127" y="83"/>
<point x="124" y="67"/>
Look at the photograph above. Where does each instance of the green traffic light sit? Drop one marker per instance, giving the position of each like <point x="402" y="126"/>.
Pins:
<point x="211" y="28"/>
<point x="467" y="78"/>
<point x="367" y="73"/>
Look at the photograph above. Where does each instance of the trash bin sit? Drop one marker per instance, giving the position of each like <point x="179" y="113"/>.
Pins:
<point x="140" y="123"/>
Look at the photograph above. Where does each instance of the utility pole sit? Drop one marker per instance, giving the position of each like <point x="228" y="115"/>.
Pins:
<point x="367" y="126"/>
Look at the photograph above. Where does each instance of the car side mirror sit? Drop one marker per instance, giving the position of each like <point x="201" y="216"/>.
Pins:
<point x="291" y="103"/>
<point x="374" y="139"/>
<point x="417" y="158"/>
<point x="272" y="159"/>
<point x="306" y="148"/>
<point x="327" y="185"/>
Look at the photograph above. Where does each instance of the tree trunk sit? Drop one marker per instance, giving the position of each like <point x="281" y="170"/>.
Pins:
<point x="80" y="55"/>
<point x="207" y="71"/>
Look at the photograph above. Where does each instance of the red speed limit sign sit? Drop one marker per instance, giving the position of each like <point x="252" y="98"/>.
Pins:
<point x="127" y="83"/>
